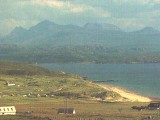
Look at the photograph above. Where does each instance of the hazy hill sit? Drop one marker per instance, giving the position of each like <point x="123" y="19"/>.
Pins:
<point x="93" y="42"/>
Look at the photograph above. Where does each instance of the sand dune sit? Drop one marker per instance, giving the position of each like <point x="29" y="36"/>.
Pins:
<point x="127" y="95"/>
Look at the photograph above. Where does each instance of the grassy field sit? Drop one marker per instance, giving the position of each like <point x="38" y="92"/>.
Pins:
<point x="40" y="93"/>
<point x="32" y="81"/>
<point x="46" y="109"/>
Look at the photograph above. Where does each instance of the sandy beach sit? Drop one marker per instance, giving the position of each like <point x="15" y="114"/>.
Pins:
<point x="127" y="95"/>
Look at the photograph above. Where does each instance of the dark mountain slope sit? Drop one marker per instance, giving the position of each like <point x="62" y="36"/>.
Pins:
<point x="147" y="31"/>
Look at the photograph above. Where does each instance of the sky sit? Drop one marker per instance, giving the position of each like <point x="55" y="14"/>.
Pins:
<point x="129" y="15"/>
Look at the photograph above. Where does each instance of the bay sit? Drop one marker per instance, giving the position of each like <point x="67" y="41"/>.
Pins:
<point x="143" y="79"/>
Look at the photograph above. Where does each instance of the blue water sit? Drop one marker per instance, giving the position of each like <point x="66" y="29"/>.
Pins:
<point x="143" y="79"/>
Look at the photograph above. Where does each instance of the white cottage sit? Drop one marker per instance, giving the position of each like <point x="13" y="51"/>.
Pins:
<point x="66" y="111"/>
<point x="10" y="84"/>
<point x="8" y="110"/>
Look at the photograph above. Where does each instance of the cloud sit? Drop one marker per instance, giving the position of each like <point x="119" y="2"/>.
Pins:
<point x="157" y="1"/>
<point x="150" y="18"/>
<point x="51" y="3"/>
<point x="79" y="9"/>
<point x="103" y="13"/>
<point x="140" y="2"/>
<point x="150" y="14"/>
<point x="62" y="5"/>
<point x="69" y="7"/>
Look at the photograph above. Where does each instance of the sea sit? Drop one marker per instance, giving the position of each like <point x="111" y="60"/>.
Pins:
<point x="143" y="79"/>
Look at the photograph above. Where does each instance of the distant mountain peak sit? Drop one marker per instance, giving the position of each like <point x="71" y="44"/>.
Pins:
<point x="46" y="22"/>
<point x="111" y="27"/>
<point x="104" y="26"/>
<point x="147" y="30"/>
<point x="44" y="25"/>
<point x="91" y="25"/>
<point x="18" y="30"/>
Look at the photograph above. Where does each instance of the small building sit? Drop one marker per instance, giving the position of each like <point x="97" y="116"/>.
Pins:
<point x="85" y="78"/>
<point x="8" y="110"/>
<point x="66" y="111"/>
<point x="154" y="106"/>
<point x="10" y="84"/>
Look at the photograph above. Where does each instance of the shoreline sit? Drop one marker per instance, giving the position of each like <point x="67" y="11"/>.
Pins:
<point x="127" y="96"/>
<point x="155" y="99"/>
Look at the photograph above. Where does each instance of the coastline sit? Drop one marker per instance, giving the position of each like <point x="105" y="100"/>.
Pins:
<point x="127" y="96"/>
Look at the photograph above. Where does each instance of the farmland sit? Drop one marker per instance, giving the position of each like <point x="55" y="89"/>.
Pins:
<point x="46" y="109"/>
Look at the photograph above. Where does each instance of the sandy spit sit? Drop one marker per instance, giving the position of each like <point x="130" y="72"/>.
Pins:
<point x="129" y="96"/>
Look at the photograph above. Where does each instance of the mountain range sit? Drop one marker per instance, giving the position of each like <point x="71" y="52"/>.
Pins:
<point x="93" y="42"/>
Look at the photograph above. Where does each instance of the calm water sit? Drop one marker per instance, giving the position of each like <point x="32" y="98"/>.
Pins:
<point x="140" y="78"/>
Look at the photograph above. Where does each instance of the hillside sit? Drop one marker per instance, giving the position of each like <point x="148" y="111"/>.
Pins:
<point x="48" y="42"/>
<point x="39" y="95"/>
<point x="36" y="82"/>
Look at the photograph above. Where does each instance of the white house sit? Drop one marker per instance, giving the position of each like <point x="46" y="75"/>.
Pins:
<point x="66" y="111"/>
<point x="8" y="110"/>
<point x="10" y="84"/>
